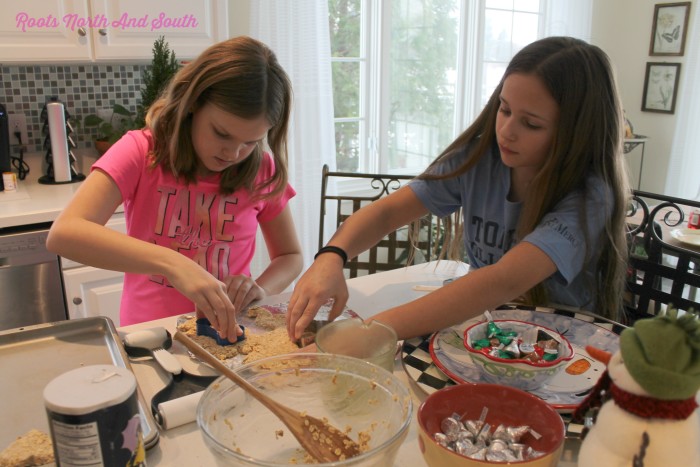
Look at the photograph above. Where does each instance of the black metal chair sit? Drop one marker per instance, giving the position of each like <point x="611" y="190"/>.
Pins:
<point x="409" y="245"/>
<point x="662" y="270"/>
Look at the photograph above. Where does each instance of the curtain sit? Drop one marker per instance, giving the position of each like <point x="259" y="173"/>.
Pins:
<point x="568" y="18"/>
<point x="683" y="177"/>
<point x="297" y="31"/>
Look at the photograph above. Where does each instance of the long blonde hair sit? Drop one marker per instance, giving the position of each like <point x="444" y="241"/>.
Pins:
<point x="242" y="77"/>
<point x="588" y="140"/>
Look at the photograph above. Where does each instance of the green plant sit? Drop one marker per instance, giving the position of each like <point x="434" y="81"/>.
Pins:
<point x="164" y="65"/>
<point x="121" y="121"/>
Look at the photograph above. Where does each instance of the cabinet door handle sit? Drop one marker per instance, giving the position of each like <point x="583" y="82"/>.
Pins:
<point x="77" y="300"/>
<point x="103" y="32"/>
<point x="82" y="32"/>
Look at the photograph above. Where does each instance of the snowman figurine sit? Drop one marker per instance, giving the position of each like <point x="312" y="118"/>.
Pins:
<point x="649" y="412"/>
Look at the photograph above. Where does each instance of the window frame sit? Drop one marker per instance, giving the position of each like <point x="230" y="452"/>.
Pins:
<point x="375" y="41"/>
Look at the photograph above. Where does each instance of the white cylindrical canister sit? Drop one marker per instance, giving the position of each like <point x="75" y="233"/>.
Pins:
<point x="94" y="417"/>
<point x="59" y="141"/>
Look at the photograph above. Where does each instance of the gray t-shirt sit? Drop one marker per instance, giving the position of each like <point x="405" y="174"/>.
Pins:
<point x="490" y="221"/>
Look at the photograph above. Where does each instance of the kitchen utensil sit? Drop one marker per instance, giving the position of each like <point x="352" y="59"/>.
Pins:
<point x="175" y="404"/>
<point x="204" y="328"/>
<point x="305" y="428"/>
<point x="59" y="141"/>
<point x="495" y="406"/>
<point x="32" y="356"/>
<point x="177" y="412"/>
<point x="153" y="342"/>
<point x="521" y="373"/>
<point x="373" y="406"/>
<point x="59" y="158"/>
<point x="374" y="342"/>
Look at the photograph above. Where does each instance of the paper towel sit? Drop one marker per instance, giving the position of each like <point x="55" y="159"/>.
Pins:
<point x="59" y="141"/>
<point x="179" y="411"/>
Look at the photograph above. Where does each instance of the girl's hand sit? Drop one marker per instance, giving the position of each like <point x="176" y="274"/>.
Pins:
<point x="209" y="296"/>
<point x="243" y="290"/>
<point x="311" y="348"/>
<point x="324" y="280"/>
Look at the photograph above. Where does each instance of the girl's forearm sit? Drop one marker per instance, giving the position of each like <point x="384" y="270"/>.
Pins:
<point x="469" y="296"/>
<point x="369" y="225"/>
<point x="96" y="245"/>
<point x="454" y="303"/>
<point x="280" y="273"/>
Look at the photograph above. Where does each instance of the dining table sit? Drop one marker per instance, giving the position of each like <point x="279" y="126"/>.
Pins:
<point x="368" y="295"/>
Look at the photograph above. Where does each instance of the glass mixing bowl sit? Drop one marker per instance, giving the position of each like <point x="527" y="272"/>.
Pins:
<point x="353" y="395"/>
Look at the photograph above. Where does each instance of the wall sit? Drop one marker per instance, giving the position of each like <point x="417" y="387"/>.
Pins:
<point x="623" y="29"/>
<point x="239" y="17"/>
<point x="82" y="88"/>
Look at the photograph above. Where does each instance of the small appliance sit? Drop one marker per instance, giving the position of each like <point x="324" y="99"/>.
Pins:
<point x="5" y="162"/>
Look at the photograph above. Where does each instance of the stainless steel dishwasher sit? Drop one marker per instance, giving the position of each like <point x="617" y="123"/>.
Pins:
<point x="31" y="284"/>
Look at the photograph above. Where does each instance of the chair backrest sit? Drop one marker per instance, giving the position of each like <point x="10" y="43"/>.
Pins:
<point x="394" y="250"/>
<point x="664" y="264"/>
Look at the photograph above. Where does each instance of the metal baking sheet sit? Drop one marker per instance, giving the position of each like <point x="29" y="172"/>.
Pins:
<point x="30" y="357"/>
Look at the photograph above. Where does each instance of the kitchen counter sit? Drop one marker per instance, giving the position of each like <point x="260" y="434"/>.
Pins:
<point x="35" y="203"/>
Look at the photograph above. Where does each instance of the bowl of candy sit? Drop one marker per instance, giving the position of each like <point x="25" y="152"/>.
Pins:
<point x="470" y="425"/>
<point x="370" y="404"/>
<point x="517" y="353"/>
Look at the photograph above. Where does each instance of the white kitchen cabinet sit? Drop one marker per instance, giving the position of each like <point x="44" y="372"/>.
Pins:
<point x="75" y="31"/>
<point x="32" y="31"/>
<point x="189" y="27"/>
<point x="91" y="291"/>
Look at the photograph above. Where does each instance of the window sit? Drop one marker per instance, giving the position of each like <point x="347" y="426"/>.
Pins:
<point x="348" y="51"/>
<point x="410" y="75"/>
<point x="502" y="39"/>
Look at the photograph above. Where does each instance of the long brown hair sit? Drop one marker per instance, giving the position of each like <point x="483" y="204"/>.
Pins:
<point x="241" y="76"/>
<point x="588" y="140"/>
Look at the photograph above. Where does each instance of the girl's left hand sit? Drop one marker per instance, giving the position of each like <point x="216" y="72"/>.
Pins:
<point x="243" y="290"/>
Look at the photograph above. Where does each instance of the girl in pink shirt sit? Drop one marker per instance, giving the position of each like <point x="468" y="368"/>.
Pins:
<point x="195" y="184"/>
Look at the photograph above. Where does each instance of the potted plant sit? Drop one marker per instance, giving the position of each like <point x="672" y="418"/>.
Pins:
<point x="109" y="131"/>
<point x="163" y="67"/>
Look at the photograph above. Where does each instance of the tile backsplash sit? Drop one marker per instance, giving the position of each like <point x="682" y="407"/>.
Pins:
<point x="83" y="89"/>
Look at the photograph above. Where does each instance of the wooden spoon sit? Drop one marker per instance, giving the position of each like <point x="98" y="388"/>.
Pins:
<point x="323" y="441"/>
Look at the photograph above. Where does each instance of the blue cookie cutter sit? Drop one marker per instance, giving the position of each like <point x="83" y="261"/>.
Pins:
<point x="204" y="329"/>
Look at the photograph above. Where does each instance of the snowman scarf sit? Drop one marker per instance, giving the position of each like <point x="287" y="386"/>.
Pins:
<point x="641" y="406"/>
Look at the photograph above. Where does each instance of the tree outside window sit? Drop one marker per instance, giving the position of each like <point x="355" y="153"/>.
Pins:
<point x="403" y="89"/>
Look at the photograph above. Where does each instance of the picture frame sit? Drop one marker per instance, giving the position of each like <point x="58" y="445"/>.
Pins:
<point x="661" y="87"/>
<point x="669" y="29"/>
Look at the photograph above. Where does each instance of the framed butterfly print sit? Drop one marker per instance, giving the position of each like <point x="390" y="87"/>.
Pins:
<point x="661" y="87"/>
<point x="669" y="29"/>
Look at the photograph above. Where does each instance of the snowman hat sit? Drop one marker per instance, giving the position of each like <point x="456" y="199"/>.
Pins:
<point x="663" y="355"/>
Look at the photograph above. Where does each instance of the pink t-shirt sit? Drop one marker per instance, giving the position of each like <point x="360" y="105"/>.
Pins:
<point x="217" y="231"/>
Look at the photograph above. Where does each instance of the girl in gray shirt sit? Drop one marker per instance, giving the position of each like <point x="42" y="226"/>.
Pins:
<point x="540" y="180"/>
